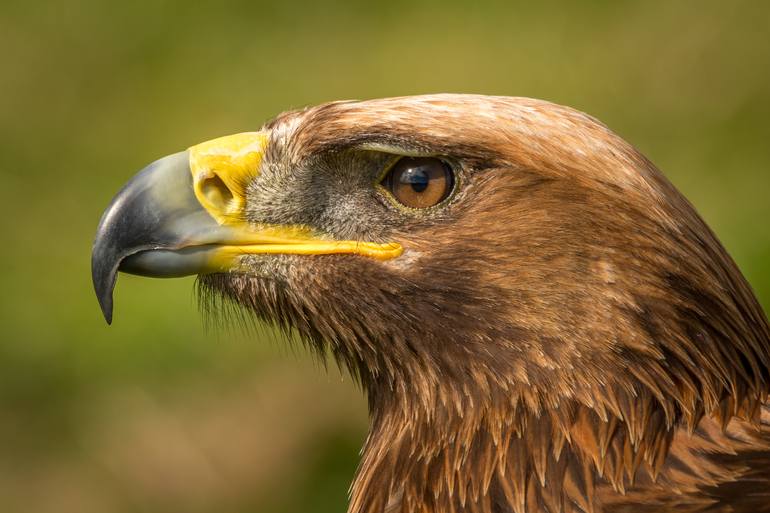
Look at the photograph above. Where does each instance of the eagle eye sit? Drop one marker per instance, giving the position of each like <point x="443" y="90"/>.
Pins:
<point x="419" y="182"/>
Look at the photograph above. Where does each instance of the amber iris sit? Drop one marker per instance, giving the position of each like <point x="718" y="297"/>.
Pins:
<point x="419" y="182"/>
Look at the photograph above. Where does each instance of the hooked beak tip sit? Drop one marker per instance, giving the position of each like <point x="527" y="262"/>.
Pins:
<point x="104" y="282"/>
<point x="107" y="310"/>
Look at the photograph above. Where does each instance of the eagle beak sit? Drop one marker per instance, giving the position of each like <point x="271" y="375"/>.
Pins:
<point x="184" y="215"/>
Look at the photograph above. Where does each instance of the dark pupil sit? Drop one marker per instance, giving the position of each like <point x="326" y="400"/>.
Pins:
<point x="417" y="177"/>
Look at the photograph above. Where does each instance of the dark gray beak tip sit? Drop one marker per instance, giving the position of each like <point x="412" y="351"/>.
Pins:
<point x="104" y="265"/>
<point x="104" y="282"/>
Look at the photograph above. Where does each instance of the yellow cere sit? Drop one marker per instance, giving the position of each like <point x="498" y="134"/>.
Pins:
<point x="221" y="169"/>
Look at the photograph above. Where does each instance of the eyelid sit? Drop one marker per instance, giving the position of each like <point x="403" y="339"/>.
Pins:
<point x="399" y="151"/>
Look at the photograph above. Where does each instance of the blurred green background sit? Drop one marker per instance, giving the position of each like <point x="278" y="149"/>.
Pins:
<point x="158" y="413"/>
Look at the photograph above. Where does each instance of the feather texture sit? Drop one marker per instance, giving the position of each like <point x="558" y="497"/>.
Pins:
<point x="567" y="335"/>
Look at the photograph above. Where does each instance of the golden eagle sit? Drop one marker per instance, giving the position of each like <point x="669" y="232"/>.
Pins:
<point x="540" y="320"/>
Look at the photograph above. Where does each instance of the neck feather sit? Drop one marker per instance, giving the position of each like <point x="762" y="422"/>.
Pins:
<point x="511" y="450"/>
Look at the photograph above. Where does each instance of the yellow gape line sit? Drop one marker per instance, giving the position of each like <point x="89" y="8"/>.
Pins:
<point x="221" y="170"/>
<point x="226" y="258"/>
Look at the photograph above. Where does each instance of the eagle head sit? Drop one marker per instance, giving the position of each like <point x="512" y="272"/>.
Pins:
<point x="534" y="311"/>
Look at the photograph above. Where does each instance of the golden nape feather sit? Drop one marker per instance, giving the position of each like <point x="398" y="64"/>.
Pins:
<point x="540" y="320"/>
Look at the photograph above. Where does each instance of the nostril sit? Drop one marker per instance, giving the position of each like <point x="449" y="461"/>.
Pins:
<point x="216" y="192"/>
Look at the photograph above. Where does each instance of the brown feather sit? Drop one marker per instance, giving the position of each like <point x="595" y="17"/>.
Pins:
<point x="568" y="335"/>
